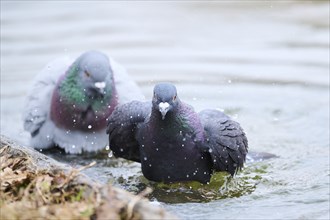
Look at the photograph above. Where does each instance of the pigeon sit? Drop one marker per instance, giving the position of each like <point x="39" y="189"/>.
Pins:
<point x="71" y="99"/>
<point x="174" y="143"/>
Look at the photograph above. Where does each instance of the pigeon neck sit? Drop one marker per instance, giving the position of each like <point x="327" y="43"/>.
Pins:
<point x="183" y="120"/>
<point x="72" y="109"/>
<point x="172" y="122"/>
<point x="69" y="86"/>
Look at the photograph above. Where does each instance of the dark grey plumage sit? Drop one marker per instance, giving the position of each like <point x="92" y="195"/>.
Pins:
<point x="122" y="126"/>
<point x="172" y="142"/>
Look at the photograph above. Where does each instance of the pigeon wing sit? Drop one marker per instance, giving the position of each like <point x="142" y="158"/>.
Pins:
<point x="122" y="127"/>
<point x="225" y="141"/>
<point x="38" y="100"/>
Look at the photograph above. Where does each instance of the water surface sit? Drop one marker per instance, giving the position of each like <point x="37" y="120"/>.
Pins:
<point x="264" y="63"/>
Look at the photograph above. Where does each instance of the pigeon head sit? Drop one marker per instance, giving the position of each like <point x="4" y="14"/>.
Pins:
<point x="94" y="74"/>
<point x="165" y="98"/>
<point x="88" y="80"/>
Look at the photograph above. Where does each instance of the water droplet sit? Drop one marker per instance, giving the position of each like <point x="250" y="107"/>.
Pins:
<point x="109" y="106"/>
<point x="142" y="145"/>
<point x="210" y="150"/>
<point x="92" y="143"/>
<point x="226" y="161"/>
<point x="182" y="145"/>
<point x="194" y="98"/>
<point x="73" y="106"/>
<point x="89" y="126"/>
<point x="107" y="147"/>
<point x="157" y="149"/>
<point x="122" y="124"/>
<point x="73" y="146"/>
<point x="214" y="160"/>
<point x="185" y="158"/>
<point x="121" y="149"/>
<point x="183" y="139"/>
<point x="180" y="132"/>
<point x="145" y="158"/>
<point x="110" y="154"/>
<point x="205" y="173"/>
<point x="168" y="177"/>
<point x="40" y="150"/>
<point x="74" y="120"/>
<point x="229" y="81"/>
<point x="47" y="136"/>
<point x="187" y="175"/>
<point x="150" y="165"/>
<point x="131" y="116"/>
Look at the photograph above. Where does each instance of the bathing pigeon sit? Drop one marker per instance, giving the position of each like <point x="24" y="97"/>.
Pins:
<point x="172" y="142"/>
<point x="71" y="100"/>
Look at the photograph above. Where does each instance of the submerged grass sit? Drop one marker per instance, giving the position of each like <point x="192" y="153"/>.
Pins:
<point x="221" y="186"/>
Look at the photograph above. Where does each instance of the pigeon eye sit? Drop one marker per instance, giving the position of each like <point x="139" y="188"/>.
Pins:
<point x="87" y="73"/>
<point x="174" y="98"/>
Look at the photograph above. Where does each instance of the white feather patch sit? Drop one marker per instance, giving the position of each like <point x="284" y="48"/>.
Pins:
<point x="100" y="85"/>
<point x="164" y="105"/>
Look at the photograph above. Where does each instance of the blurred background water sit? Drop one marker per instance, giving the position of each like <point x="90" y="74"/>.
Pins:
<point x="266" y="63"/>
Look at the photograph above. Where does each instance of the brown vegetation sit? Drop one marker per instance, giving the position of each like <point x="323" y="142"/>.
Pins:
<point x="34" y="186"/>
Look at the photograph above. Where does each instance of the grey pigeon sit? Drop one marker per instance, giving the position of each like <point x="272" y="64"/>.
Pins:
<point x="71" y="99"/>
<point x="174" y="143"/>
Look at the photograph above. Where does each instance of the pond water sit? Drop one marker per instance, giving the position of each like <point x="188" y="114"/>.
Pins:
<point x="265" y="63"/>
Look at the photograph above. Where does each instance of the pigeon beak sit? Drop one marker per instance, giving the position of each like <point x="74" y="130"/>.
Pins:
<point x="100" y="86"/>
<point x="163" y="108"/>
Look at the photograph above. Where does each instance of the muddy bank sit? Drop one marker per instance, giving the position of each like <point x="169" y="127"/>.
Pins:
<point x="36" y="186"/>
